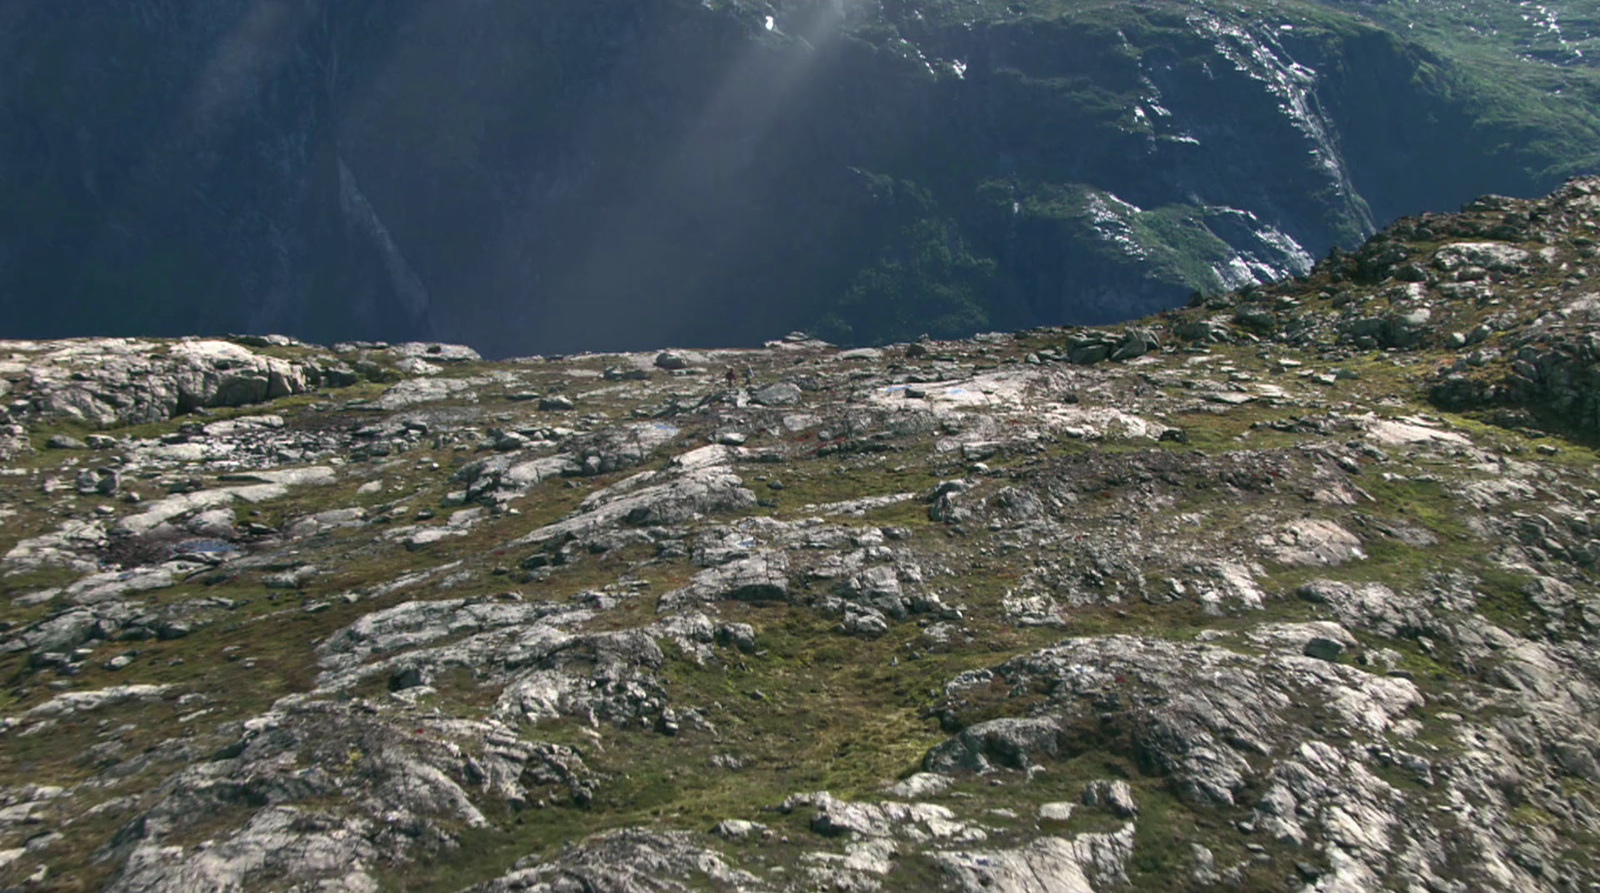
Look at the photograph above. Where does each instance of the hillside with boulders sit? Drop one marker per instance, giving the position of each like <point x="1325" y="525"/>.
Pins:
<point x="1294" y="588"/>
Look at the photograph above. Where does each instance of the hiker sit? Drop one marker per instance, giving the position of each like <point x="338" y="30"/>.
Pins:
<point x="749" y="376"/>
<point x="732" y="379"/>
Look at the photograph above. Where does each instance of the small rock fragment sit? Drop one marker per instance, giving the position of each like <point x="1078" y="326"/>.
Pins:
<point x="1116" y="795"/>
<point x="1323" y="649"/>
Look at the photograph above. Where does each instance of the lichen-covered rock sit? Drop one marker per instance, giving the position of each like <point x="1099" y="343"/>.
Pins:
<point x="759" y="577"/>
<point x="399" y="785"/>
<point x="625" y="861"/>
<point x="121" y="381"/>
<point x="1086" y="864"/>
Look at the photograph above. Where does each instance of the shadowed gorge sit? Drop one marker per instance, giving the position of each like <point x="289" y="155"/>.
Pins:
<point x="566" y="176"/>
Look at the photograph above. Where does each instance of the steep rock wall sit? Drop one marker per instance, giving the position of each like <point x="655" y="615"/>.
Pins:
<point x="606" y="174"/>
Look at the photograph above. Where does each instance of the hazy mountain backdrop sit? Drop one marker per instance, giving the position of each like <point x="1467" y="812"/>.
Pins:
<point x="582" y="174"/>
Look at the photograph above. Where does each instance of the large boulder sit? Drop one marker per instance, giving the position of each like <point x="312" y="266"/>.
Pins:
<point x="115" y="381"/>
<point x="780" y="393"/>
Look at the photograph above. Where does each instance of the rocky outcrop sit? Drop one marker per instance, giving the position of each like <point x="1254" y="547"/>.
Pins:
<point x="632" y="859"/>
<point x="405" y="786"/>
<point x="122" y="381"/>
<point x="110" y="382"/>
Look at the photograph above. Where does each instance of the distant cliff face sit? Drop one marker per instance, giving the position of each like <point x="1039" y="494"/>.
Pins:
<point x="610" y="173"/>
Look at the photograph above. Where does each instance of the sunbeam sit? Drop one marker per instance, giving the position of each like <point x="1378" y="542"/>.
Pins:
<point x="695" y="181"/>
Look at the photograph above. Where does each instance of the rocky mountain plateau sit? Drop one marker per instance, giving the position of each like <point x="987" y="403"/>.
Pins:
<point x="1290" y="589"/>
